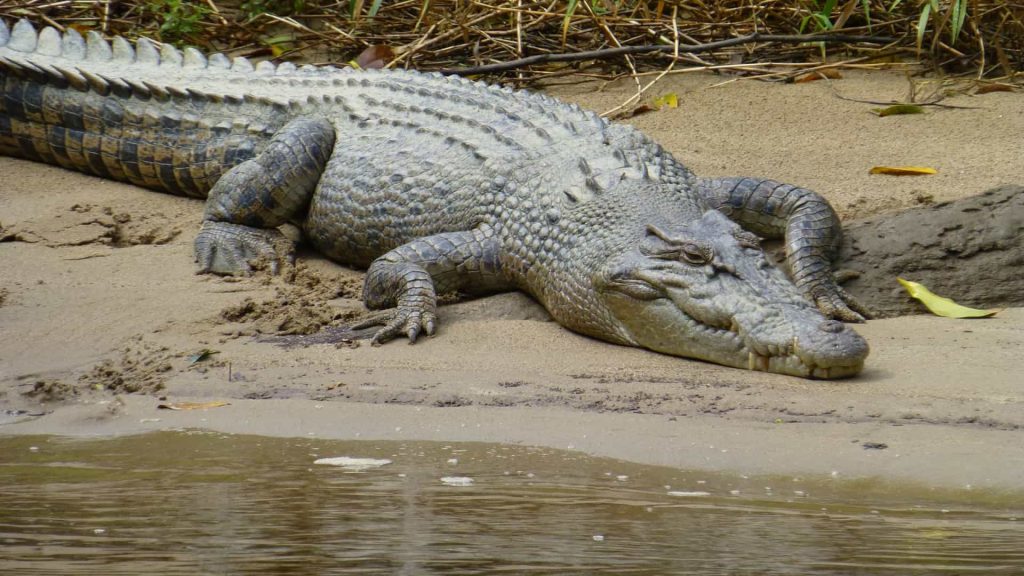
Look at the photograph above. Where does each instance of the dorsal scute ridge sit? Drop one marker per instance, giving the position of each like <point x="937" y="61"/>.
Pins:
<point x="23" y="37"/>
<point x="70" y="45"/>
<point x="96" y="48"/>
<point x="146" y="52"/>
<point x="98" y="84"/>
<point x="73" y="78"/>
<point x="157" y="92"/>
<point x="170" y="56"/>
<point x="218" y="60"/>
<point x="118" y="86"/>
<point x="241" y="64"/>
<point x="122" y="50"/>
<point x="49" y="42"/>
<point x="193" y="58"/>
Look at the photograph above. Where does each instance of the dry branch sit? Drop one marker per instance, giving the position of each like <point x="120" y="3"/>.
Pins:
<point x="523" y="40"/>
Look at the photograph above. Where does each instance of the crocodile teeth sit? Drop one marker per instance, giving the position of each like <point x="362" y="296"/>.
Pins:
<point x="756" y="361"/>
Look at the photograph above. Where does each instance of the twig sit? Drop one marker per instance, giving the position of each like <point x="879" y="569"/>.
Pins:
<point x="675" y="58"/>
<point x="937" y="103"/>
<point x="625" y="50"/>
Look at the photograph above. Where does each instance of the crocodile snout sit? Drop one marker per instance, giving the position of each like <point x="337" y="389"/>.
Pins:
<point x="831" y="326"/>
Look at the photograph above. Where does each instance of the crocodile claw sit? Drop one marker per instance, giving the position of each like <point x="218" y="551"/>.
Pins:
<point x="404" y="320"/>
<point x="836" y="303"/>
<point x="236" y="250"/>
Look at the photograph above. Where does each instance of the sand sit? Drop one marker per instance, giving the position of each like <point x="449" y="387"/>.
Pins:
<point x="101" y="313"/>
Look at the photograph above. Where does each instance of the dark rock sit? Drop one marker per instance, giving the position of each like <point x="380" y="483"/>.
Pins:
<point x="970" y="250"/>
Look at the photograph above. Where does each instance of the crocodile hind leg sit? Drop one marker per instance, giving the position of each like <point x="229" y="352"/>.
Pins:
<point x="807" y="223"/>
<point x="405" y="281"/>
<point x="251" y="200"/>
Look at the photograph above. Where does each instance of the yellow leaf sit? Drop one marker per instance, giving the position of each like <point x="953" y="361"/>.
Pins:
<point x="671" y="100"/>
<point x="942" y="306"/>
<point x="192" y="405"/>
<point x="903" y="170"/>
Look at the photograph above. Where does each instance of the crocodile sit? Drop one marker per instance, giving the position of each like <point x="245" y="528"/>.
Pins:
<point x="438" y="184"/>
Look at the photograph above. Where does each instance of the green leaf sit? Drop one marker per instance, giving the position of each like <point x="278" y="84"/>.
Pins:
<point x="922" y="24"/>
<point x="957" y="22"/>
<point x="567" y="19"/>
<point x="942" y="306"/>
<point x="203" y="354"/>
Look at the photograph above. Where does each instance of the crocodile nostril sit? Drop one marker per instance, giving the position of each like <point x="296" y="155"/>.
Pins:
<point x="833" y="326"/>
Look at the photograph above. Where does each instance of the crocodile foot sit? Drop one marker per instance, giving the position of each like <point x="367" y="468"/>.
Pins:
<point x="236" y="250"/>
<point x="408" y="321"/>
<point x="836" y="303"/>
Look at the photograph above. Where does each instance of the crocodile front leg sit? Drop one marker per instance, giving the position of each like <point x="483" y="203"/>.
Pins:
<point x="251" y="200"/>
<point x="808" y="224"/>
<point x="405" y="281"/>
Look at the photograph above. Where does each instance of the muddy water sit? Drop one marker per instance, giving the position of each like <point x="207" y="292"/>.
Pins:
<point x="205" y="503"/>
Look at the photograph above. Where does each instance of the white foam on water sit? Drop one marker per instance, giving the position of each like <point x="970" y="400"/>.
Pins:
<point x="353" y="464"/>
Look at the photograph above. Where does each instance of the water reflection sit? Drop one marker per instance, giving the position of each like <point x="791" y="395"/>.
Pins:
<point x="205" y="503"/>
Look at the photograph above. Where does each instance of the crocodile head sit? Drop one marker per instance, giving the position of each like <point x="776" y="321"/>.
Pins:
<point x="705" y="290"/>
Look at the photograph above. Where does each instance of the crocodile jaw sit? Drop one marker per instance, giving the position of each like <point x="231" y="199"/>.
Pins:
<point x="817" y="348"/>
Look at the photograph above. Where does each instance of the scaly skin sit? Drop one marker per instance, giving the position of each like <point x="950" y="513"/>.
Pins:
<point x="439" y="184"/>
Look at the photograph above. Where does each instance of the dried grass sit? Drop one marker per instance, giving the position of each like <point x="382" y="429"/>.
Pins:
<point x="451" y="35"/>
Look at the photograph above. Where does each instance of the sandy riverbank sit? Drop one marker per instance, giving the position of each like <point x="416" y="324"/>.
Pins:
<point x="98" y="288"/>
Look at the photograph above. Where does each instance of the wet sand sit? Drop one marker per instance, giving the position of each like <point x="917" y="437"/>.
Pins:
<point x="98" y="291"/>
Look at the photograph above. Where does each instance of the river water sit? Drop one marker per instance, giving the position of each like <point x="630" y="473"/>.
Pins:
<point x="208" y="503"/>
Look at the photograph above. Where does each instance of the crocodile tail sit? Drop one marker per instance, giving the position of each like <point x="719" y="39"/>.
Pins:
<point x="94" y="48"/>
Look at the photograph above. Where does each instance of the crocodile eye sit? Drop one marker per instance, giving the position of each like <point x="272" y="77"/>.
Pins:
<point x="696" y="254"/>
